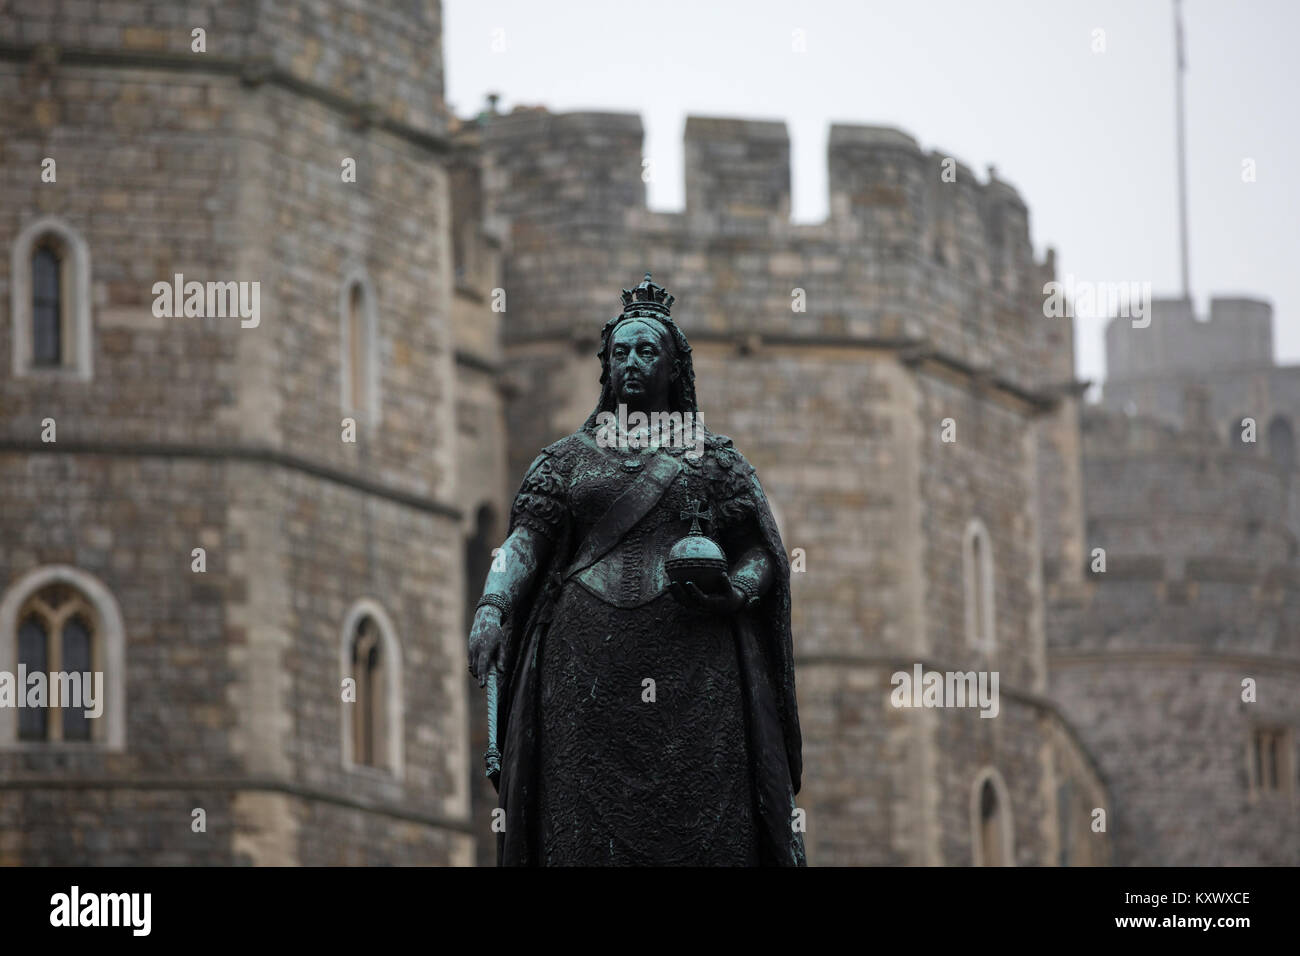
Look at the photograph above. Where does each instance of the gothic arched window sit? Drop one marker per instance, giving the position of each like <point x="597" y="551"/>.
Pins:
<point x="61" y="637"/>
<point x="373" y="717"/>
<point x="56" y="637"/>
<point x="50" y="300"/>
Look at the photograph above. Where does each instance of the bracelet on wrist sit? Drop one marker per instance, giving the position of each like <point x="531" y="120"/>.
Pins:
<point x="747" y="588"/>
<point x="493" y="600"/>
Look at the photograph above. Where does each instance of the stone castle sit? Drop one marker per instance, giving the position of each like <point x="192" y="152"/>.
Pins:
<point x="1190" y="485"/>
<point x="267" y="535"/>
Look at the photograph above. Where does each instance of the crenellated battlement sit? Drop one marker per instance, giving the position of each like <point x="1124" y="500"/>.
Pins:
<point x="737" y="168"/>
<point x="929" y="203"/>
<point x="915" y="250"/>
<point x="740" y="169"/>
<point x="1238" y="332"/>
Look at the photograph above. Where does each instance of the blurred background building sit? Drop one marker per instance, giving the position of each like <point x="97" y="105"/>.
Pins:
<point x="345" y="468"/>
<point x="1189" y="481"/>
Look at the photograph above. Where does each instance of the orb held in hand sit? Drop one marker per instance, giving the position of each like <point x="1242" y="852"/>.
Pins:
<point x="697" y="557"/>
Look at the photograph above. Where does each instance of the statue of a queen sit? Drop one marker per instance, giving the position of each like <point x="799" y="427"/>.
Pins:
<point x="647" y="704"/>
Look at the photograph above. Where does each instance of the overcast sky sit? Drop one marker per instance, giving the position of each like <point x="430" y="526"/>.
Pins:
<point x="1087" y="138"/>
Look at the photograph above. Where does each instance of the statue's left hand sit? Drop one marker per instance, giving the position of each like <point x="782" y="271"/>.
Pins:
<point x="727" y="600"/>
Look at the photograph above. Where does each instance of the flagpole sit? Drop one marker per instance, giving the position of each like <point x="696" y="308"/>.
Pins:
<point x="1181" y="68"/>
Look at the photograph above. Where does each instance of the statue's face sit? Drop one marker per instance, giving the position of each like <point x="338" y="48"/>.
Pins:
<point x="640" y="366"/>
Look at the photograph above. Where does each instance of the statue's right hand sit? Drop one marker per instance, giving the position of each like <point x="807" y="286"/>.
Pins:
<point x="486" y="640"/>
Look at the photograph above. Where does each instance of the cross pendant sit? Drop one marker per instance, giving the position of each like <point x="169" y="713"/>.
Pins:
<point x="695" y="512"/>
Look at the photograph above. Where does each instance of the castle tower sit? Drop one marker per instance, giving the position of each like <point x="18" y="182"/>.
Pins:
<point x="1178" y="657"/>
<point x="837" y="355"/>
<point x="249" y="523"/>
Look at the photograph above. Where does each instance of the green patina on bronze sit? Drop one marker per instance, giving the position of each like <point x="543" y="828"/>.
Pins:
<point x="637" y="636"/>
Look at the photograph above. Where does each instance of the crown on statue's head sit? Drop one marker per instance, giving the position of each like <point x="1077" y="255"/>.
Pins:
<point x="649" y="298"/>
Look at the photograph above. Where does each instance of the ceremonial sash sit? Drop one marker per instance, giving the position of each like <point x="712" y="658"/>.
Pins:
<point x="628" y="508"/>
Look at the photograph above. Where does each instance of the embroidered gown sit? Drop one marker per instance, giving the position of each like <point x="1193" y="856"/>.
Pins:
<point x="643" y="756"/>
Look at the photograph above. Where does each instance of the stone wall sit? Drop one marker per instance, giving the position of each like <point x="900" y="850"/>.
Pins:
<point x="1200" y="591"/>
<point x="196" y="432"/>
<point x="1174" y="740"/>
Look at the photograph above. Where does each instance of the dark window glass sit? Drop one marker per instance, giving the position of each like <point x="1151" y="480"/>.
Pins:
<point x="47" y="331"/>
<point x="374" y="695"/>
<point x="364" y="657"/>
<point x="988" y="801"/>
<point x="76" y="659"/>
<point x="357" y="348"/>
<point x="33" y="653"/>
<point x="991" y="825"/>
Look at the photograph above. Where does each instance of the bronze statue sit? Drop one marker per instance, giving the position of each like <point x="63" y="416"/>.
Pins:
<point x="639" y="628"/>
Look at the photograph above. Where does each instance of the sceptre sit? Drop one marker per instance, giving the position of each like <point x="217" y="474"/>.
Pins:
<point x="492" y="757"/>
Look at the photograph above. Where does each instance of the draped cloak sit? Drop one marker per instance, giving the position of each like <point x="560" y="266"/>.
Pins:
<point x="762" y="636"/>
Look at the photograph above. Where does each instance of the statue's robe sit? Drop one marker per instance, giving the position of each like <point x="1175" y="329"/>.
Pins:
<point x="598" y="765"/>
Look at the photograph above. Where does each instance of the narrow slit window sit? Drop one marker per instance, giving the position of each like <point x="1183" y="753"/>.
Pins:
<point x="368" y="730"/>
<point x="357" y="351"/>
